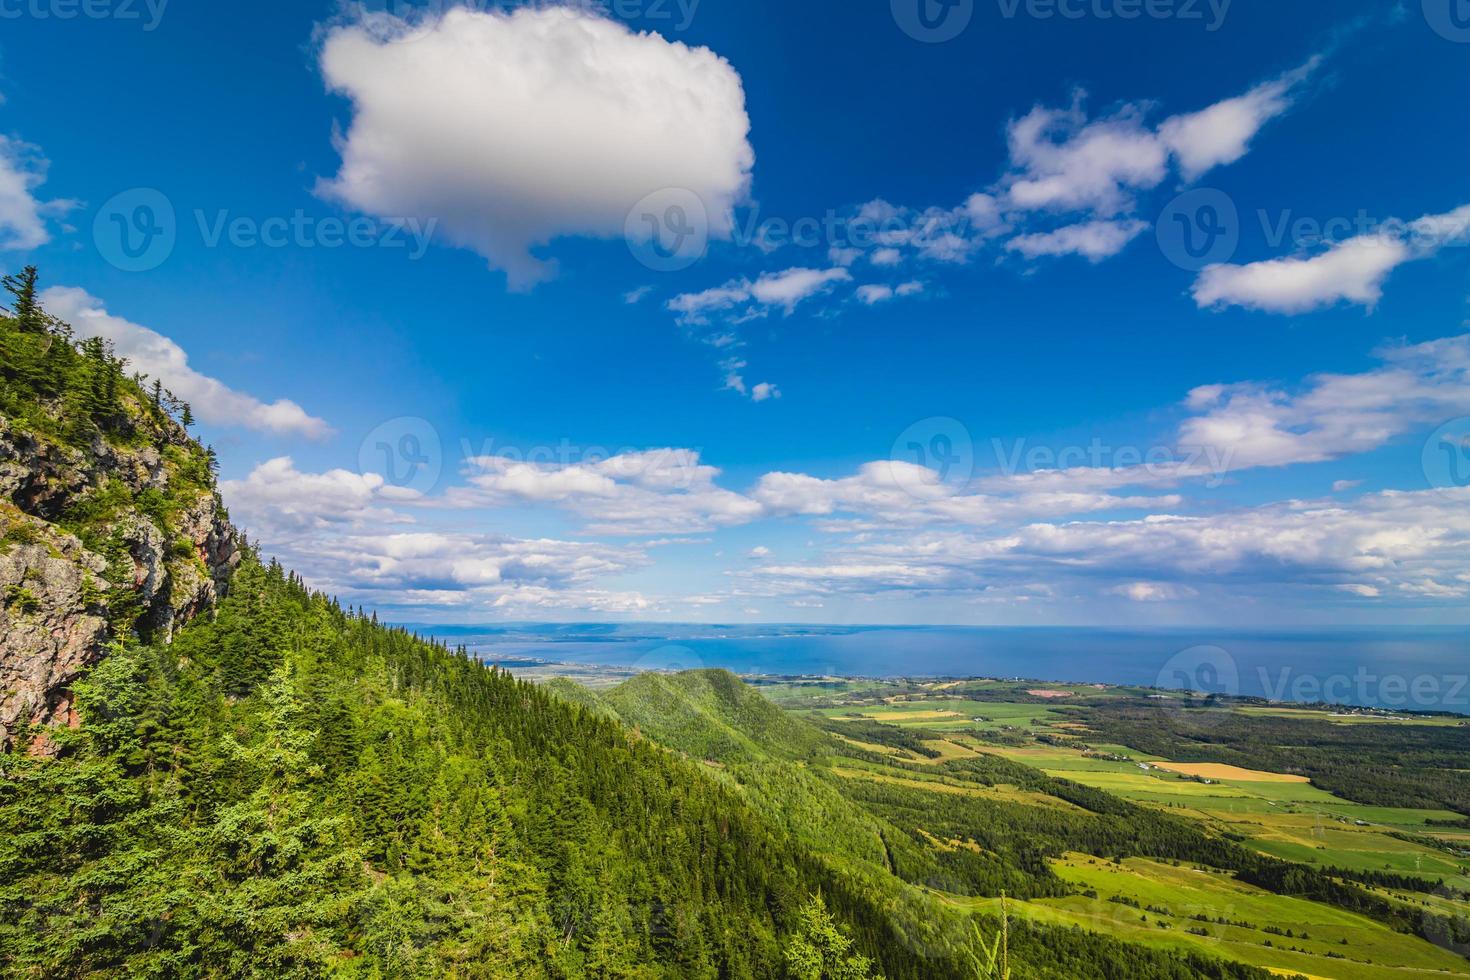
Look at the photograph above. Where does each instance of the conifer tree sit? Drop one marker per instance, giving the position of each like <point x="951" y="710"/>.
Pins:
<point x="26" y="309"/>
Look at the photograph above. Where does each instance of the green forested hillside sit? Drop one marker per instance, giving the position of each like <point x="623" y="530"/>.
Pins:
<point x="291" y="789"/>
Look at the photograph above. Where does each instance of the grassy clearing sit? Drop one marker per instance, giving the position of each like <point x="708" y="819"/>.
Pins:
<point x="1209" y="911"/>
<point x="1012" y="794"/>
<point x="1350" y="719"/>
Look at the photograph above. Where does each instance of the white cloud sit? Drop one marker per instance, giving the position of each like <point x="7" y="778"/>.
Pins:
<point x="666" y="491"/>
<point x="1093" y="240"/>
<point x="871" y="295"/>
<point x="1072" y="187"/>
<point x="340" y="530"/>
<point x="1222" y="133"/>
<point x="22" y="215"/>
<point x="1352" y="271"/>
<point x="764" y="391"/>
<point x="875" y="293"/>
<point x="277" y="499"/>
<point x="787" y="289"/>
<point x="153" y="354"/>
<point x="890" y="493"/>
<point x="1336" y="414"/>
<point x="635" y="296"/>
<point x="1065" y="162"/>
<point x="742" y="300"/>
<point x="1413" y="544"/>
<point x="1153" y="591"/>
<point x="513" y="129"/>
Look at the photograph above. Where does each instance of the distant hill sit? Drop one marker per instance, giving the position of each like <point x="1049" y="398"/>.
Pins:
<point x="712" y="714"/>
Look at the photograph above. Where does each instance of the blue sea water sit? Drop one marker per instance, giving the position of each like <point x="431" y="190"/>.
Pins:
<point x="1418" y="669"/>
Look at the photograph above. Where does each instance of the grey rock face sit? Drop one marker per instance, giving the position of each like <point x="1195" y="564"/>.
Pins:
<point x="56" y="597"/>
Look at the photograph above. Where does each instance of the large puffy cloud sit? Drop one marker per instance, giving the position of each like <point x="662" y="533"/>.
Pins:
<point x="278" y="499"/>
<point x="1352" y="271"/>
<point x="512" y="129"/>
<point x="153" y="354"/>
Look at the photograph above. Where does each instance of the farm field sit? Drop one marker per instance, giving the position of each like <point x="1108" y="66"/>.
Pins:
<point x="1282" y="815"/>
<point x="1209" y="911"/>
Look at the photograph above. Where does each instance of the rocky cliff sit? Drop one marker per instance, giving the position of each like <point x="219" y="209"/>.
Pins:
<point x="110" y="526"/>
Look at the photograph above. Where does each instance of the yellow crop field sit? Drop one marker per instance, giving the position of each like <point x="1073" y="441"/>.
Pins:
<point x="1212" y="770"/>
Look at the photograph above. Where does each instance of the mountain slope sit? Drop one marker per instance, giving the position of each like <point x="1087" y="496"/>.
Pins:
<point x="109" y="521"/>
<point x="287" y="789"/>
<point x="712" y="714"/>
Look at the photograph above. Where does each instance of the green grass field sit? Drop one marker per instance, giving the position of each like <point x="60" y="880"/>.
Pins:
<point x="1199" y="910"/>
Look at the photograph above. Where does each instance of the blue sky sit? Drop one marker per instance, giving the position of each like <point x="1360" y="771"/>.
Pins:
<point x="397" y="256"/>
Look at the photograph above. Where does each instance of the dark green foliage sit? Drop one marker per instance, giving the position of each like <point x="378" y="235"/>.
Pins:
<point x="67" y="390"/>
<point x="290" y="789"/>
<point x="711" y="714"/>
<point x="820" y="950"/>
<point x="877" y="733"/>
<point x="1420" y="766"/>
